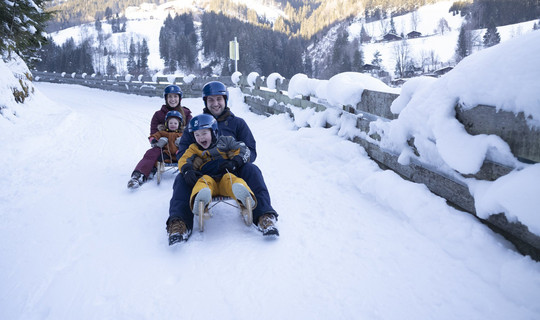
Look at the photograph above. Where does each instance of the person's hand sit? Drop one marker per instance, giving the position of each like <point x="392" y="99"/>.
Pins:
<point x="191" y="176"/>
<point x="197" y="162"/>
<point x="153" y="142"/>
<point x="162" y="142"/>
<point x="226" y="143"/>
<point x="231" y="165"/>
<point x="161" y="127"/>
<point x="177" y="142"/>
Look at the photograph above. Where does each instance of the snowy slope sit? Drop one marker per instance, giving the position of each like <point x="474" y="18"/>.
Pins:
<point x="356" y="242"/>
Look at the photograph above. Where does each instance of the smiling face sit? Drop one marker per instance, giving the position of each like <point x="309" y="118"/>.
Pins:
<point x="173" y="124"/>
<point x="216" y="104"/>
<point x="173" y="100"/>
<point x="203" y="137"/>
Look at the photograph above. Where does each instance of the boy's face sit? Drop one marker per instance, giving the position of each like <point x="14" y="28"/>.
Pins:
<point x="173" y="124"/>
<point x="203" y="137"/>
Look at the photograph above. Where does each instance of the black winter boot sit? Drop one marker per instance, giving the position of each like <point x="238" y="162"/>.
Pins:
<point x="177" y="231"/>
<point x="267" y="225"/>
<point x="137" y="179"/>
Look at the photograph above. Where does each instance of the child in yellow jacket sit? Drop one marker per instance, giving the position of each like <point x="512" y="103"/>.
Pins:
<point x="209" y="164"/>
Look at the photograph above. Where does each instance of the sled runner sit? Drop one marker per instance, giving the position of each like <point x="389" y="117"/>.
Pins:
<point x="205" y="211"/>
<point x="163" y="165"/>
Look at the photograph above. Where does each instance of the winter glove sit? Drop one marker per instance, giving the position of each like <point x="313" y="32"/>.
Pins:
<point x="162" y="142"/>
<point x="231" y="165"/>
<point x="190" y="176"/>
<point x="161" y="127"/>
<point x="197" y="163"/>
<point x="177" y="142"/>
<point x="226" y="143"/>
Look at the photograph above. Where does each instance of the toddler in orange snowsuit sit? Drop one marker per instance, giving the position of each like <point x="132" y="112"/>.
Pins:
<point x="166" y="138"/>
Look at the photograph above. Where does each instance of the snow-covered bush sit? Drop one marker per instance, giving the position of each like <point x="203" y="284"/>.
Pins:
<point x="15" y="84"/>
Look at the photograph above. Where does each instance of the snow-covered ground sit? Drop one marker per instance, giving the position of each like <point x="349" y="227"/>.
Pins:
<point x="356" y="242"/>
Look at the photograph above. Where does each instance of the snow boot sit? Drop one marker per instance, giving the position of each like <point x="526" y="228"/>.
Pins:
<point x="137" y="179"/>
<point x="205" y="195"/>
<point x="177" y="231"/>
<point x="267" y="225"/>
<point x="241" y="193"/>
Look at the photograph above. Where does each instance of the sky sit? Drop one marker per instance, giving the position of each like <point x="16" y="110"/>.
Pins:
<point x="356" y="241"/>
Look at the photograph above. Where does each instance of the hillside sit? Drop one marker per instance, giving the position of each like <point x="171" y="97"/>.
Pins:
<point x="434" y="49"/>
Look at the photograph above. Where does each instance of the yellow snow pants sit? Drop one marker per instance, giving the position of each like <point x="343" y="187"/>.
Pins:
<point x="222" y="187"/>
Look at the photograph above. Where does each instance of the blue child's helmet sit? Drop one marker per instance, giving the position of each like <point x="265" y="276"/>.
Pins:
<point x="173" y="114"/>
<point x="215" y="88"/>
<point x="204" y="121"/>
<point x="172" y="89"/>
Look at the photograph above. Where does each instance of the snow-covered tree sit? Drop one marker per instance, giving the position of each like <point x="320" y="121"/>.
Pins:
<point x="144" y="52"/>
<point x="22" y="25"/>
<point x="491" y="37"/>
<point x="464" y="44"/>
<point x="131" y="63"/>
<point x="377" y="60"/>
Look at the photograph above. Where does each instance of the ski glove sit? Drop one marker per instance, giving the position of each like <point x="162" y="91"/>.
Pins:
<point x="177" y="142"/>
<point x="190" y="176"/>
<point x="231" y="165"/>
<point x="162" y="142"/>
<point x="227" y="143"/>
<point x="161" y="127"/>
<point x="197" y="162"/>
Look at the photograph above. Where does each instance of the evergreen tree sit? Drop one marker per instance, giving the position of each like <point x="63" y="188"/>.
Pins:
<point x="83" y="54"/>
<point x="97" y="25"/>
<point x="108" y="13"/>
<point x="178" y="42"/>
<point x="358" y="61"/>
<point x="111" y="69"/>
<point x="392" y="26"/>
<point x="464" y="43"/>
<point x="131" y="64"/>
<point x="143" y="57"/>
<point x="22" y="26"/>
<point x="536" y="26"/>
<point x="377" y="60"/>
<point x="491" y="37"/>
<point x="308" y="66"/>
<point x="364" y="37"/>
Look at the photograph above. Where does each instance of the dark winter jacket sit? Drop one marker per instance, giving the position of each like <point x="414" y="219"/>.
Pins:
<point x="228" y="125"/>
<point x="159" y="117"/>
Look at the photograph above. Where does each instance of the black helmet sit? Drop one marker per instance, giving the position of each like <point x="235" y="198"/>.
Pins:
<point x="215" y="88"/>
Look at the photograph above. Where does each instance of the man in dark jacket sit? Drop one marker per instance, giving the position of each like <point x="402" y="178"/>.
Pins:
<point x="180" y="222"/>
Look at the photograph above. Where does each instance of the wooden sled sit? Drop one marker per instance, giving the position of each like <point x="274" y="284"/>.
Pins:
<point x="205" y="214"/>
